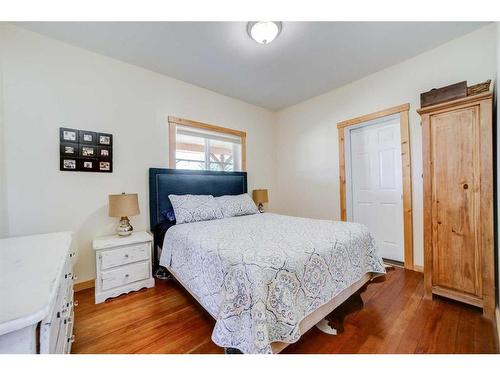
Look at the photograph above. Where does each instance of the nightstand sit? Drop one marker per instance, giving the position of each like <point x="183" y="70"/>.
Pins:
<point x="123" y="264"/>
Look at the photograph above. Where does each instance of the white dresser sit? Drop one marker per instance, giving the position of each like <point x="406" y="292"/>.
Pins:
<point x="36" y="293"/>
<point x="123" y="264"/>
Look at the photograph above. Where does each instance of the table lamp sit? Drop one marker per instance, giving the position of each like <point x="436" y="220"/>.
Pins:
<point x="123" y="205"/>
<point x="260" y="197"/>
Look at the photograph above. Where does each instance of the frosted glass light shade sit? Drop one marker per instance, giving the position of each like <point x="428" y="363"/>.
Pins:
<point x="264" y="32"/>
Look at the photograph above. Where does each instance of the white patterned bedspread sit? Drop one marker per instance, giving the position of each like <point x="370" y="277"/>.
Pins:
<point x="260" y="275"/>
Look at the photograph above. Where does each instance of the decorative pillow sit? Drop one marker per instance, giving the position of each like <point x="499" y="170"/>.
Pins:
<point x="190" y="208"/>
<point x="168" y="215"/>
<point x="237" y="205"/>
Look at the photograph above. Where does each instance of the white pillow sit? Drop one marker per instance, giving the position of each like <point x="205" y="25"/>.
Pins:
<point x="190" y="208"/>
<point x="237" y="205"/>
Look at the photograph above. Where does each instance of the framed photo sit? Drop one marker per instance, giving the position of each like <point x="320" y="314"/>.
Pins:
<point x="88" y="151"/>
<point x="68" y="164"/>
<point x="87" y="165"/>
<point x="105" y="139"/>
<point x="87" y="137"/>
<point x="105" y="166"/>
<point x="69" y="149"/>
<point x="104" y="153"/>
<point x="85" y="151"/>
<point x="68" y="135"/>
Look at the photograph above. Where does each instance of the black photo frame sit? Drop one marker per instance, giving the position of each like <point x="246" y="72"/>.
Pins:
<point x="105" y="166"/>
<point x="68" y="164"/>
<point x="88" y="165"/>
<point x="105" y="139"/>
<point x="104" y="153"/>
<point x="86" y="137"/>
<point x="68" y="135"/>
<point x="85" y="151"/>
<point x="69" y="149"/>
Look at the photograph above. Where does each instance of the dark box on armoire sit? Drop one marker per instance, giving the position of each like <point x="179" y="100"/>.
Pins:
<point x="444" y="94"/>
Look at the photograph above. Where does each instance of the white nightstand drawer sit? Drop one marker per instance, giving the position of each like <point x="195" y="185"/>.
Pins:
<point x="124" y="255"/>
<point x="125" y="275"/>
<point x="123" y="264"/>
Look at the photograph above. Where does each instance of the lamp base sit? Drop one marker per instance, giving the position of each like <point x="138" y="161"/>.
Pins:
<point x="261" y="208"/>
<point x="124" y="229"/>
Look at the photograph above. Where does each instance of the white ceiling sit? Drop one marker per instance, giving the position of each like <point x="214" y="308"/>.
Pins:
<point x="307" y="59"/>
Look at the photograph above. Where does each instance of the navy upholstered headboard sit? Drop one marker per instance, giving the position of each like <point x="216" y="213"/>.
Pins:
<point x="163" y="182"/>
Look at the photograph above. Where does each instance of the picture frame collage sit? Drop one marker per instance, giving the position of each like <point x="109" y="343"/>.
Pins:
<point x="85" y="151"/>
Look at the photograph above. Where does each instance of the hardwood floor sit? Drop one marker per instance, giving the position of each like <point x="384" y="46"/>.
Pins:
<point x="395" y="319"/>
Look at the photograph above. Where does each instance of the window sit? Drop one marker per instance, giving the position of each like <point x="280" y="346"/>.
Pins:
<point x="198" y="146"/>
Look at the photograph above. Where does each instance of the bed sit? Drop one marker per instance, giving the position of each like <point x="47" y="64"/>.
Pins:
<point x="266" y="279"/>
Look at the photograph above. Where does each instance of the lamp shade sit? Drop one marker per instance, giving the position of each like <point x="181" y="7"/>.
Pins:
<point x="121" y="205"/>
<point x="260" y="196"/>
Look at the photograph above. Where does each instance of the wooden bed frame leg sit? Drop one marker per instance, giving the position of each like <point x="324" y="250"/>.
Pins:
<point x="162" y="273"/>
<point x="232" y="351"/>
<point x="324" y="326"/>
<point x="333" y="323"/>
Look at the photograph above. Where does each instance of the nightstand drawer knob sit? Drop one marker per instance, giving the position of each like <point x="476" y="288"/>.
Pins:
<point x="127" y="275"/>
<point x="126" y="255"/>
<point x="75" y="303"/>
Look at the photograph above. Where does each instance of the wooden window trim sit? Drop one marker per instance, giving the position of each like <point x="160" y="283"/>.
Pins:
<point x="403" y="111"/>
<point x="174" y="121"/>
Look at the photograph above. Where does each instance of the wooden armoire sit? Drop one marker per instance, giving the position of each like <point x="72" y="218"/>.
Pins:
<point x="458" y="201"/>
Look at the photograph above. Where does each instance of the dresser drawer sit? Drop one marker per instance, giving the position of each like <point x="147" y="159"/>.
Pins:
<point x="50" y="328"/>
<point x="125" y="275"/>
<point x="124" y="255"/>
<point x="66" y="336"/>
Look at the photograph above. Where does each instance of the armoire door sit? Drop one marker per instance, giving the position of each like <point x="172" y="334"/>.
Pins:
<point x="455" y="200"/>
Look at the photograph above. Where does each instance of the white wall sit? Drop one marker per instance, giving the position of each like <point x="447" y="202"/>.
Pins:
<point x="3" y="184"/>
<point x="48" y="84"/>
<point x="4" y="229"/>
<point x="307" y="145"/>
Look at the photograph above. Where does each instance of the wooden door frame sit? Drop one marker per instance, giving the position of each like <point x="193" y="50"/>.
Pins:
<point x="403" y="111"/>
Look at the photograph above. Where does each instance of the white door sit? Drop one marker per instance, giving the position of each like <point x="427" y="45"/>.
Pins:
<point x="374" y="183"/>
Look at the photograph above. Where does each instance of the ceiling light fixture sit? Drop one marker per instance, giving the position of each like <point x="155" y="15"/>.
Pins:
<point x="264" y="32"/>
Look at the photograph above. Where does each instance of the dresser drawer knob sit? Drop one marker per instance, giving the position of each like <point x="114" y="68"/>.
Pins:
<point x="126" y="275"/>
<point x="71" y="339"/>
<point x="75" y="303"/>
<point x="126" y="255"/>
